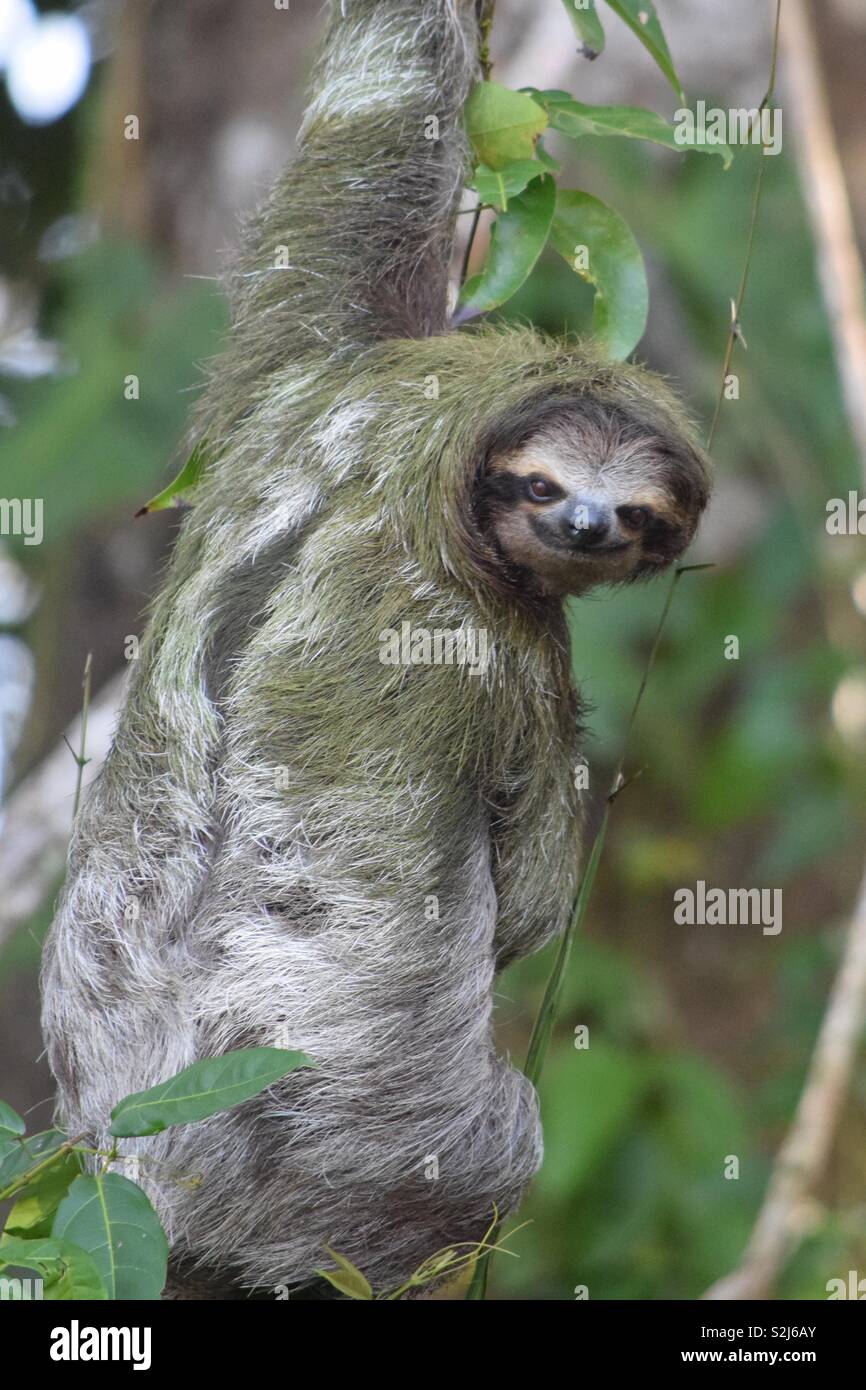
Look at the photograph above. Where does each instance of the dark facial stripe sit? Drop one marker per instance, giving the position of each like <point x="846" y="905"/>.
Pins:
<point x="506" y="488"/>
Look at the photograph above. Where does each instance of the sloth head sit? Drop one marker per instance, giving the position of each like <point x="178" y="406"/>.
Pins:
<point x="583" y="492"/>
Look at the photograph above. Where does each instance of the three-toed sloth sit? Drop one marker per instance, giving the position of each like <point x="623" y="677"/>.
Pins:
<point x="293" y="840"/>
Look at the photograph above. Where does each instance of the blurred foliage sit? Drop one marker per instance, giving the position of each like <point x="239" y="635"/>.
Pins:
<point x="81" y="443"/>
<point x="699" y="1036"/>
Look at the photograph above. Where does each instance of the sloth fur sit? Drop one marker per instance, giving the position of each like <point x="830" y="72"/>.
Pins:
<point x="292" y="843"/>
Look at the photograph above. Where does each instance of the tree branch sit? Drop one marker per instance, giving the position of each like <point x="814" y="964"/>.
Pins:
<point x="823" y="183"/>
<point x="803" y="1155"/>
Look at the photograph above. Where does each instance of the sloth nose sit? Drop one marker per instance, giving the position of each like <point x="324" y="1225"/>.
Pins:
<point x="589" y="524"/>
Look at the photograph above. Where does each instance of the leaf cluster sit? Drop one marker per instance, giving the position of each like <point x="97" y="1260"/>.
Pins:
<point x="95" y="1235"/>
<point x="516" y="177"/>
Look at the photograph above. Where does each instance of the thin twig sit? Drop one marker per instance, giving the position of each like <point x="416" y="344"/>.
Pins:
<point x="735" y="332"/>
<point x="486" y="9"/>
<point x="470" y="242"/>
<point x="80" y="759"/>
<point x="25" y="1179"/>
<point x="542" y="1029"/>
<point x="485" y="22"/>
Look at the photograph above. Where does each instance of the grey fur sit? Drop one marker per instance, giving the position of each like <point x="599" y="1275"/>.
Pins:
<point x="294" y="906"/>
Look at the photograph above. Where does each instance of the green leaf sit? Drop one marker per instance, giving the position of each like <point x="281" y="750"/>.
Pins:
<point x="112" y="1219"/>
<point x="502" y="125"/>
<point x="70" y="1274"/>
<point x="641" y="18"/>
<point x="18" y="1155"/>
<point x="217" y="1083"/>
<point x="575" y="119"/>
<point x="33" y="1212"/>
<point x="348" y="1278"/>
<point x="185" y="481"/>
<point x="10" y="1121"/>
<point x="517" y="239"/>
<point x="587" y="26"/>
<point x="600" y="247"/>
<point x="496" y="186"/>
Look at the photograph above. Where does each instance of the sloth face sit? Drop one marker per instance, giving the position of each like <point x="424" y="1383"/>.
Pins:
<point x="594" y="498"/>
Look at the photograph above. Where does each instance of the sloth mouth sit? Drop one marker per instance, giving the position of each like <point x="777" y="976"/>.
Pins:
<point x="582" y="552"/>
<point x="614" y="548"/>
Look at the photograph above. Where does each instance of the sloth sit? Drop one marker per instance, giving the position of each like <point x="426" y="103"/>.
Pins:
<point x="293" y="841"/>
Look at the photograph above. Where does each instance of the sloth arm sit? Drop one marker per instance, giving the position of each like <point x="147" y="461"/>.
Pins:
<point x="535" y="861"/>
<point x="354" y="243"/>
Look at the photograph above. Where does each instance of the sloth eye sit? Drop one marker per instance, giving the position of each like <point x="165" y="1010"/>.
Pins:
<point x="635" y="518"/>
<point x="540" y="490"/>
